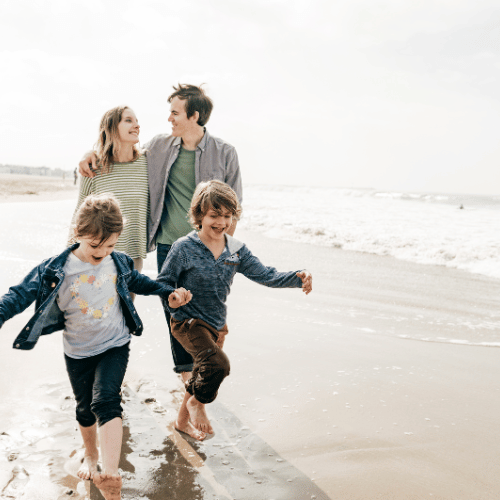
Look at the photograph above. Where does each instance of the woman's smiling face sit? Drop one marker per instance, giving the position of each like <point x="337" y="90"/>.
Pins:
<point x="128" y="128"/>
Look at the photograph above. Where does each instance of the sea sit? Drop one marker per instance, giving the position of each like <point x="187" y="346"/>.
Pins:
<point x="439" y="229"/>
<point x="454" y="230"/>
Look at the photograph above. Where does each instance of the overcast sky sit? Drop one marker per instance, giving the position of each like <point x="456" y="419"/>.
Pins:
<point x="391" y="95"/>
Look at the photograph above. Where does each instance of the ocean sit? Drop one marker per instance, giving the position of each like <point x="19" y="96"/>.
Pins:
<point x="460" y="231"/>
<point x="429" y="229"/>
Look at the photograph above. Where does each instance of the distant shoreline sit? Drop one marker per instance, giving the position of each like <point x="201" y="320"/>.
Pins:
<point x="22" y="188"/>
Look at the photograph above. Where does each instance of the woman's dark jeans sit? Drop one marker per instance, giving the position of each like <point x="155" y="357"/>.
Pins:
<point x="96" y="383"/>
<point x="182" y="359"/>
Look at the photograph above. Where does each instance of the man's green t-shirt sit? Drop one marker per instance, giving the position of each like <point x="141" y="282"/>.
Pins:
<point x="180" y="188"/>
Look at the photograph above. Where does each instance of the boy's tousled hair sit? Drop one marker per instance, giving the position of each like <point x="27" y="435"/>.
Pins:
<point x="108" y="141"/>
<point x="196" y="100"/>
<point x="215" y="195"/>
<point x="99" y="216"/>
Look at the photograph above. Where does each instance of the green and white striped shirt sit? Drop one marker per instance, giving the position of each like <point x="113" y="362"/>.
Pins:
<point x="129" y="183"/>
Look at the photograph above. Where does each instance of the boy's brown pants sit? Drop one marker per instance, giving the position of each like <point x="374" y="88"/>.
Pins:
<point x="210" y="364"/>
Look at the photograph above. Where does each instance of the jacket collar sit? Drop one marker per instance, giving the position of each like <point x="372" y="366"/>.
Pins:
<point x="202" y="145"/>
<point x="232" y="244"/>
<point x="56" y="264"/>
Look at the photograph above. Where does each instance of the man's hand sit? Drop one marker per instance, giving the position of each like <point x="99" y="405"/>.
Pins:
<point x="87" y="165"/>
<point x="179" y="298"/>
<point x="307" y="281"/>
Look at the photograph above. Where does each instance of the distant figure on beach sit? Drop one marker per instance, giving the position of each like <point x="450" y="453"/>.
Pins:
<point x="75" y="174"/>
<point x="85" y="291"/>
<point x="176" y="164"/>
<point x="122" y="169"/>
<point x="206" y="261"/>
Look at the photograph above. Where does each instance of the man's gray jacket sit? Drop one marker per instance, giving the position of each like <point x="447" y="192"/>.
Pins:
<point x="215" y="159"/>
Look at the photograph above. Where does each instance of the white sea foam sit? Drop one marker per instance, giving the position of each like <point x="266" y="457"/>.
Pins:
<point x="423" y="228"/>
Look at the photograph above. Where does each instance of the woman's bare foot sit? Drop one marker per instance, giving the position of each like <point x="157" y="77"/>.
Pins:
<point x="88" y="467"/>
<point x="198" y="415"/>
<point x="189" y="429"/>
<point x="109" y="484"/>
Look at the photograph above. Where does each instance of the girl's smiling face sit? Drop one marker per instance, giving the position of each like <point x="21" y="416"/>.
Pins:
<point x="93" y="251"/>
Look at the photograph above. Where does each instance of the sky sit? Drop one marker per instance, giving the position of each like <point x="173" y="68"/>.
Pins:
<point x="383" y="94"/>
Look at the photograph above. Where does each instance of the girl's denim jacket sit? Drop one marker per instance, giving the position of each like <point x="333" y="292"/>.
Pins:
<point x="43" y="282"/>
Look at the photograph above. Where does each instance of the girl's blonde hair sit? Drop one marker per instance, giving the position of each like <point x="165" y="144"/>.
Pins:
<point x="215" y="195"/>
<point x="98" y="217"/>
<point x="108" y="142"/>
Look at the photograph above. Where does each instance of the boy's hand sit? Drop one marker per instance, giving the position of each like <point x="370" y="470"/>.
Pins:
<point x="179" y="298"/>
<point x="307" y="281"/>
<point x="84" y="166"/>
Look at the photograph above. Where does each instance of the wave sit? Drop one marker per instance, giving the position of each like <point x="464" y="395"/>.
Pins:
<point x="422" y="228"/>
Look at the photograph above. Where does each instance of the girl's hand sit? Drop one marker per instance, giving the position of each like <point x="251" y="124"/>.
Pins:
<point x="179" y="298"/>
<point x="307" y="281"/>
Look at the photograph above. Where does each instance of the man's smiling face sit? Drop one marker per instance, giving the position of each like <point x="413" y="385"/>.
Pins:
<point x="181" y="124"/>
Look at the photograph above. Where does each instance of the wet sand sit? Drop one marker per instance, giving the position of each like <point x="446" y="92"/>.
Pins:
<point x="346" y="393"/>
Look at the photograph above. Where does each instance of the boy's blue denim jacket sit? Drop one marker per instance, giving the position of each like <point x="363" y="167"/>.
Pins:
<point x="43" y="282"/>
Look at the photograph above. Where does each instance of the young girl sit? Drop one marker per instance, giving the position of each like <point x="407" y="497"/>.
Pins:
<point x="85" y="291"/>
<point x="206" y="262"/>
<point x="122" y="170"/>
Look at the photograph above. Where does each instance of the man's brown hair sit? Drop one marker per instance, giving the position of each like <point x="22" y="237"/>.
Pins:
<point x="196" y="100"/>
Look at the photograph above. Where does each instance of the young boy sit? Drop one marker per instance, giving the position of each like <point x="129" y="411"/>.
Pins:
<point x="205" y="262"/>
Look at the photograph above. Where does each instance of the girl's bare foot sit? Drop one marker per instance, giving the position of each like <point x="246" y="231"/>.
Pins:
<point x="88" y="467"/>
<point x="198" y="415"/>
<point x="109" y="484"/>
<point x="190" y="429"/>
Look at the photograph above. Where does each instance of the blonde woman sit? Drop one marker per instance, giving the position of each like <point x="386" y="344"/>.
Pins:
<point x="122" y="169"/>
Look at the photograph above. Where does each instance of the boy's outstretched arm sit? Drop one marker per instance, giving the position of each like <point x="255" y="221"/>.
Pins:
<point x="179" y="298"/>
<point x="307" y="281"/>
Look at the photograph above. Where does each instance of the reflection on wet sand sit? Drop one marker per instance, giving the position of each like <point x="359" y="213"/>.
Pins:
<point x="43" y="452"/>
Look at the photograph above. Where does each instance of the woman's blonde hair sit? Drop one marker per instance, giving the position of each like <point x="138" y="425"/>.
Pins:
<point x="108" y="142"/>
<point x="215" y="195"/>
<point x="99" y="216"/>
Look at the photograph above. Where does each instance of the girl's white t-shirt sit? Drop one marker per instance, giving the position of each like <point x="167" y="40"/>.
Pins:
<point x="94" y="320"/>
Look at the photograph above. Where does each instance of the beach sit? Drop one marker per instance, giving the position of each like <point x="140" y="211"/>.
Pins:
<point x="380" y="384"/>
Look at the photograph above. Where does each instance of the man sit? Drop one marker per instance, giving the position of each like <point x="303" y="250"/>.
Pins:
<point x="177" y="163"/>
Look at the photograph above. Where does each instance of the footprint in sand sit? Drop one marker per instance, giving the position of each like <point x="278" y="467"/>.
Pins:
<point x="17" y="483"/>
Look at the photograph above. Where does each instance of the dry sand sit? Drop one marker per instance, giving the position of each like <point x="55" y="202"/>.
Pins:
<point x="21" y="188"/>
<point x="353" y="392"/>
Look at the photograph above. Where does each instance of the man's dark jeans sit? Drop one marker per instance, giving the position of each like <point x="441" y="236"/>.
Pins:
<point x="182" y="359"/>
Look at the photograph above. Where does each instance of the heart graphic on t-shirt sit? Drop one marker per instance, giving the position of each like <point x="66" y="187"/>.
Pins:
<point x="85" y="279"/>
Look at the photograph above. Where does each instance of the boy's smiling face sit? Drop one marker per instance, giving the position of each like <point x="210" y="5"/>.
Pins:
<point x="215" y="224"/>
<point x="93" y="251"/>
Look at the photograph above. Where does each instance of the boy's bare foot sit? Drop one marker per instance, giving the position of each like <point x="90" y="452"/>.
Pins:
<point x="88" y="467"/>
<point x="109" y="484"/>
<point x="198" y="415"/>
<point x="189" y="429"/>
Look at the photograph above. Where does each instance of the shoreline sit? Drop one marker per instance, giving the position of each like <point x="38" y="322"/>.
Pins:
<point x="325" y="381"/>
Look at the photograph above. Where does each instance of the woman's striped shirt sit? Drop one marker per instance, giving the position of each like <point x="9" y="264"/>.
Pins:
<point x="129" y="183"/>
